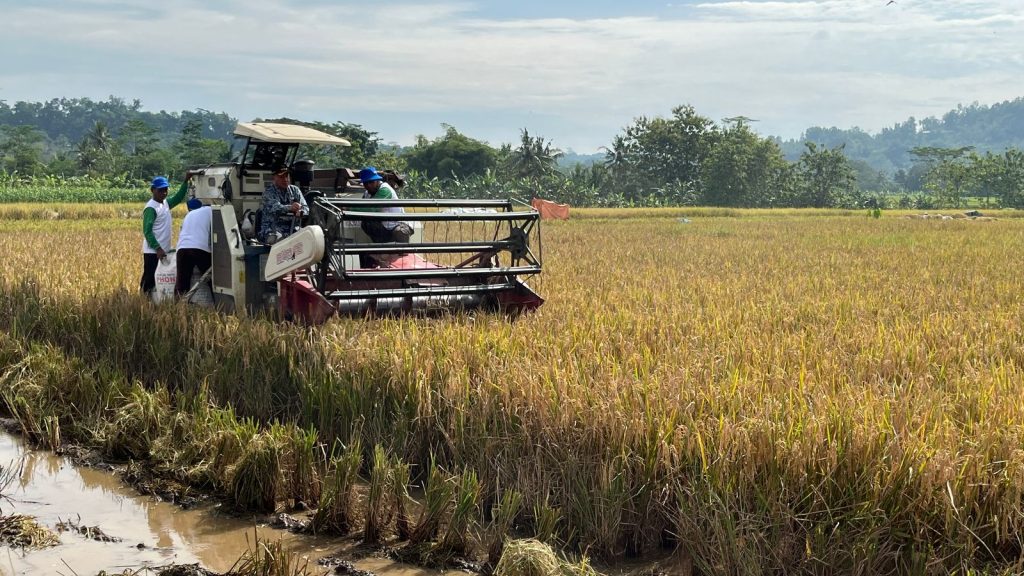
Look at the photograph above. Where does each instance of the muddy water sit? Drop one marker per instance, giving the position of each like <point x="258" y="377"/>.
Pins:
<point x="52" y="489"/>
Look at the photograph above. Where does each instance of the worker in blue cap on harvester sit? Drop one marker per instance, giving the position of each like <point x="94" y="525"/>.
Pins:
<point x="381" y="230"/>
<point x="377" y="189"/>
<point x="156" y="227"/>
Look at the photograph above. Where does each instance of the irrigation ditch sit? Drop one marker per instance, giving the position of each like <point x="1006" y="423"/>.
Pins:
<point x="101" y="524"/>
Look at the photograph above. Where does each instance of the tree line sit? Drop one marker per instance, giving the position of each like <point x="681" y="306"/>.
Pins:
<point x="676" y="160"/>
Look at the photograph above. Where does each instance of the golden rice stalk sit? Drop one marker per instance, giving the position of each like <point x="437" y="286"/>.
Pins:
<point x="228" y="445"/>
<point x="51" y="431"/>
<point x="137" y="423"/>
<point x="304" y="482"/>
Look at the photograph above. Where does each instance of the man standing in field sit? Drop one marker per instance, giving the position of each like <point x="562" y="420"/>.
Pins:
<point x="156" y="228"/>
<point x="193" y="244"/>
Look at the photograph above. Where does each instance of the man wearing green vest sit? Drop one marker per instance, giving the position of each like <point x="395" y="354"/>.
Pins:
<point x="156" y="227"/>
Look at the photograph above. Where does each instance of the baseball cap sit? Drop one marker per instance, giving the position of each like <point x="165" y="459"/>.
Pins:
<point x="369" y="174"/>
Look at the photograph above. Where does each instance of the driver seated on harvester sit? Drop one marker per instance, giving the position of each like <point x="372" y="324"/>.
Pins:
<point x="283" y="206"/>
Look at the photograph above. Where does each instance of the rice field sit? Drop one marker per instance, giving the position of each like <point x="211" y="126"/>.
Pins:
<point x="754" y="392"/>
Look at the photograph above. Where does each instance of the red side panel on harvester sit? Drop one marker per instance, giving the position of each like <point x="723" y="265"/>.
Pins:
<point x="299" y="301"/>
<point x="518" y="301"/>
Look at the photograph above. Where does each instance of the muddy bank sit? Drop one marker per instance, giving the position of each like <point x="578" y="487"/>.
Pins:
<point x="109" y="526"/>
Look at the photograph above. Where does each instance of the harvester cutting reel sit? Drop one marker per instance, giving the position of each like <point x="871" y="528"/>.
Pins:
<point x="460" y="255"/>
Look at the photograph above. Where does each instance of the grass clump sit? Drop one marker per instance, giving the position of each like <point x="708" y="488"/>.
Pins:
<point x="256" y="477"/>
<point x="270" y="560"/>
<point x="466" y="493"/>
<point x="304" y="456"/>
<point x="379" y="507"/>
<point x="437" y="501"/>
<point x="546" y="519"/>
<point x="228" y="443"/>
<point x="336" y="514"/>
<point x="503" y="515"/>
<point x="137" y="423"/>
<point x="400" y="499"/>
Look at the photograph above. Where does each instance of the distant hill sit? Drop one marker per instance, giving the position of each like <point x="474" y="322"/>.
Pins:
<point x="992" y="128"/>
<point x="570" y="158"/>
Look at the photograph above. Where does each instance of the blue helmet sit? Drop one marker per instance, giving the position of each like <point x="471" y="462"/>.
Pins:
<point x="160" y="182"/>
<point x="369" y="174"/>
<point x="194" y="204"/>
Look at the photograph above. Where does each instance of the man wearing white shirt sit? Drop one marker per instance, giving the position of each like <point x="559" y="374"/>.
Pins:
<point x="156" y="228"/>
<point x="193" y="244"/>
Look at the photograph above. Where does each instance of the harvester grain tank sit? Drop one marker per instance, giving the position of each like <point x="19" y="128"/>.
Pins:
<point x="462" y="254"/>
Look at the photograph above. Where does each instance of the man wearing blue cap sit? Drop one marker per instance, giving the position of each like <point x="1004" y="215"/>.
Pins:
<point x="380" y="230"/>
<point x="193" y="244"/>
<point x="378" y="189"/>
<point x="156" y="227"/>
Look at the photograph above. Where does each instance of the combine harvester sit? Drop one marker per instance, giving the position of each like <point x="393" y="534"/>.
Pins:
<point x="463" y="254"/>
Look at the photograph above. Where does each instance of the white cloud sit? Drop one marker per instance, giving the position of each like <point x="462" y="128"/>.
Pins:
<point x="789" y="64"/>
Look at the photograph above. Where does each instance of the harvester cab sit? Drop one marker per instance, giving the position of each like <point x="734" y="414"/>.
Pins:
<point x="461" y="254"/>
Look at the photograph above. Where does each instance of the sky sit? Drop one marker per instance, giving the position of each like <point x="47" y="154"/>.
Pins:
<point x="574" y="72"/>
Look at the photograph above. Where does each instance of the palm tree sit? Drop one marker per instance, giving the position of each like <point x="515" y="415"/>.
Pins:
<point x="96" y="150"/>
<point x="615" y="158"/>
<point x="99" y="137"/>
<point x="534" y="158"/>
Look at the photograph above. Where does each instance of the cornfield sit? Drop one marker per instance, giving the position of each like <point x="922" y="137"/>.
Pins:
<point x="76" y="189"/>
<point x="759" y="393"/>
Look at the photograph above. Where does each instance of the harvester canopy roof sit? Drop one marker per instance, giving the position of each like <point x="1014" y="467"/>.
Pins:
<point x="286" y="134"/>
